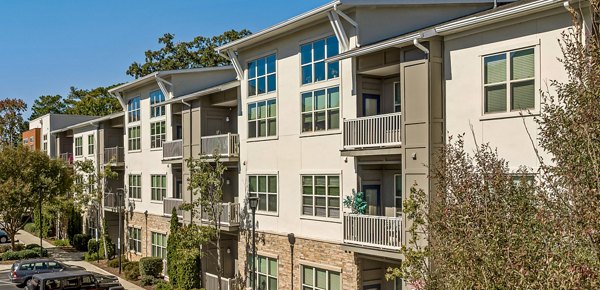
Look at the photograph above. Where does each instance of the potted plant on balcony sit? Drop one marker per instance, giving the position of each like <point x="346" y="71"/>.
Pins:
<point x="356" y="202"/>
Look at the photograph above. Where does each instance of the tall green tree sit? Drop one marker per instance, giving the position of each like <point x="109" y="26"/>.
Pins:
<point x="94" y="102"/>
<point x="48" y="104"/>
<point x="200" y="52"/>
<point x="172" y="246"/>
<point x="25" y="176"/>
<point x="12" y="123"/>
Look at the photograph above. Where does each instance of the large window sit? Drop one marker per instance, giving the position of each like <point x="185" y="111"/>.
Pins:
<point x="156" y="97"/>
<point x="321" y="110"/>
<point x="321" y="195"/>
<point x="133" y="109"/>
<point x="313" y="57"/>
<point x="320" y="279"/>
<point x="158" y="187"/>
<point x="159" y="245"/>
<point x="266" y="272"/>
<point x="134" y="138"/>
<point x="45" y="143"/>
<point x="78" y="146"/>
<point x="262" y="76"/>
<point x="509" y="81"/>
<point x="262" y="119"/>
<point x="91" y="144"/>
<point x="398" y="194"/>
<point x="135" y="186"/>
<point x="157" y="134"/>
<point x="265" y="188"/>
<point x="135" y="239"/>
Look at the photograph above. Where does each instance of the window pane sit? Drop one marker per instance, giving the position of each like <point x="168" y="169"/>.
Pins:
<point x="319" y="71"/>
<point x="307" y="275"/>
<point x="332" y="46"/>
<point x="307" y="122"/>
<point x="252" y="129"/>
<point x="271" y="63"/>
<point x="261" y="85"/>
<point x="262" y="110"/>
<point x="272" y="108"/>
<point x="251" y="111"/>
<point x="262" y="128"/>
<point x="272" y="127"/>
<point x="262" y="264"/>
<point x="251" y="87"/>
<point x="320" y="201"/>
<point x="495" y="99"/>
<point x="320" y="121"/>
<point x="273" y="184"/>
<point x="306" y="74"/>
<point x="522" y="64"/>
<point x="334" y="202"/>
<point x="334" y="119"/>
<point x="495" y="68"/>
<point x="523" y="95"/>
<point x="307" y="200"/>
<point x="320" y="180"/>
<point x="260" y="67"/>
<point x="334" y="281"/>
<point x="320" y="101"/>
<point x="333" y="97"/>
<point x="272" y="202"/>
<point x="272" y="283"/>
<point x="321" y="278"/>
<point x="319" y="50"/>
<point x="333" y="70"/>
<point x="262" y="183"/>
<point x="262" y="202"/>
<point x="252" y="69"/>
<point x="306" y="53"/>
<point x="307" y="102"/>
<point x="271" y="83"/>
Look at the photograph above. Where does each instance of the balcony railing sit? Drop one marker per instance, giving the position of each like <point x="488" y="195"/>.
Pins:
<point x="169" y="204"/>
<point x="67" y="158"/>
<point x="373" y="131"/>
<point x="212" y="282"/>
<point x="172" y="149"/>
<point x="226" y="145"/>
<point x="114" y="155"/>
<point x="373" y="231"/>
<point x="111" y="200"/>
<point x="230" y="214"/>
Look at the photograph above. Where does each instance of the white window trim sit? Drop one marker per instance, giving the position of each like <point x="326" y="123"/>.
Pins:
<point x="247" y="71"/>
<point x="325" y="131"/>
<point x="80" y="146"/>
<point x="138" y="109"/>
<point x="265" y="274"/>
<point x="258" y="138"/>
<point x="153" y="245"/>
<point x="166" y="186"/>
<point x="312" y="61"/>
<point x="320" y="267"/>
<point x="264" y="212"/>
<point x="154" y="106"/>
<point x="139" y="138"/>
<point x="138" y="186"/>
<point x="164" y="134"/>
<point x="136" y="240"/>
<point x="92" y="144"/>
<point x="340" y="196"/>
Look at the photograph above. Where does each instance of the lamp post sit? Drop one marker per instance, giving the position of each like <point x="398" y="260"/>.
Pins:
<point x="253" y="202"/>
<point x="120" y="205"/>
<point x="292" y="241"/>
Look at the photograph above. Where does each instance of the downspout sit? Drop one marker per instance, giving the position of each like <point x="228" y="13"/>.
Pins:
<point x="191" y="193"/>
<point x="420" y="46"/>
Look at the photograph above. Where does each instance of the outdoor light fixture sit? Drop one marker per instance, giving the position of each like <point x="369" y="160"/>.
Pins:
<point x="292" y="241"/>
<point x="253" y="203"/>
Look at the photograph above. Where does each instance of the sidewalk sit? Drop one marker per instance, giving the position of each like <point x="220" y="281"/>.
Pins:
<point x="72" y="258"/>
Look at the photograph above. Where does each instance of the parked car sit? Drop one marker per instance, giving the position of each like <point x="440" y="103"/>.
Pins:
<point x="22" y="270"/>
<point x="4" y="237"/>
<point x="73" y="280"/>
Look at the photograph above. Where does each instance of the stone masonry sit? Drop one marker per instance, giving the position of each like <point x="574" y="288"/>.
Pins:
<point x="148" y="224"/>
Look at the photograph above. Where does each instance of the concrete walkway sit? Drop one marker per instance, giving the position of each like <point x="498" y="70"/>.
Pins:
<point x="72" y="258"/>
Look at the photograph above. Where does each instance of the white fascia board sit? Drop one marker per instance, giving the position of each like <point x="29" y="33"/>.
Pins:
<point x="375" y="47"/>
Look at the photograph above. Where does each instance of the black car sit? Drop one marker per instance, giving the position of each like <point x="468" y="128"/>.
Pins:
<point x="73" y="280"/>
<point x="22" y="270"/>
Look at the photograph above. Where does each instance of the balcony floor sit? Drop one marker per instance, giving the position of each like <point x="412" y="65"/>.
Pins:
<point x="372" y="151"/>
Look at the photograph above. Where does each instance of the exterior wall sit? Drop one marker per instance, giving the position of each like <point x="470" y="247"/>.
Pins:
<point x="308" y="252"/>
<point x="84" y="132"/>
<point x="152" y="223"/>
<point x="464" y="79"/>
<point x="32" y="139"/>
<point x="51" y="122"/>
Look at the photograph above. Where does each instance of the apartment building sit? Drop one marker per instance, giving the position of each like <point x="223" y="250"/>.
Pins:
<point x="39" y="133"/>
<point x="356" y="96"/>
<point x="155" y="133"/>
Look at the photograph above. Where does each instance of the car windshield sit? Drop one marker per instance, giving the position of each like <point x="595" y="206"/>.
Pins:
<point x="52" y="284"/>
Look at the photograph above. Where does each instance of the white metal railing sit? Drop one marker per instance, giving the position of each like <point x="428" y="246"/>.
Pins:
<point x="373" y="131"/>
<point x="212" y="282"/>
<point x="373" y="231"/>
<point x="226" y="145"/>
<point x="169" y="204"/>
<point x="111" y="200"/>
<point x="230" y="214"/>
<point x="114" y="155"/>
<point x="172" y="149"/>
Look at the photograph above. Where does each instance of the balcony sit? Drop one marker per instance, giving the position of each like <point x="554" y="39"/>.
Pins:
<point x="230" y="216"/>
<point x="212" y="282"/>
<point x="172" y="151"/>
<point x="67" y="158"/>
<point x="378" y="232"/>
<point x="169" y="204"/>
<point x="373" y="132"/>
<point x="114" y="156"/>
<point x="226" y="145"/>
<point x="111" y="201"/>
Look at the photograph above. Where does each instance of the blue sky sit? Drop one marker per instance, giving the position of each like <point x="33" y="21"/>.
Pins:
<point x="48" y="46"/>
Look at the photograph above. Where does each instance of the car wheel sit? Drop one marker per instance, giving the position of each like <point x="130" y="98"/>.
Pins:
<point x="3" y="240"/>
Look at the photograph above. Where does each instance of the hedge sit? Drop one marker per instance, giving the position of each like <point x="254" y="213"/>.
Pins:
<point x="32" y="246"/>
<point x="97" y="247"/>
<point x="188" y="269"/>
<point x="151" y="266"/>
<point x="132" y="270"/>
<point x="80" y="242"/>
<point x="24" y="254"/>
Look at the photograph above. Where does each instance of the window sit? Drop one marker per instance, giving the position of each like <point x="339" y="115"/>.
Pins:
<point x="397" y="284"/>
<point x="157" y="134"/>
<point x="91" y="179"/>
<point x="159" y="245"/>
<point x="78" y="146"/>
<point x="262" y="119"/>
<point x="155" y="98"/>
<point x="398" y="194"/>
<point x="523" y="179"/>
<point x="509" y="81"/>
<point x="45" y="143"/>
<point x="266" y="272"/>
<point x="135" y="186"/>
<point x="313" y="57"/>
<point x="265" y="187"/>
<point x="321" y="110"/>
<point x="321" y="195"/>
<point x="159" y="187"/>
<point x="133" y="109"/>
<point x="262" y="76"/>
<point x="135" y="239"/>
<point x="134" y="138"/>
<point x="397" y="106"/>
<point x="90" y="144"/>
<point x="319" y="279"/>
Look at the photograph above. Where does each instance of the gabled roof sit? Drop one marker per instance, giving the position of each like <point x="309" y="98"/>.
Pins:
<point x="90" y="122"/>
<point x="208" y="91"/>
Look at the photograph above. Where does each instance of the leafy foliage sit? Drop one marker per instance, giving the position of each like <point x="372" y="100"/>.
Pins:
<point x="11" y="121"/>
<point x="357" y="202"/>
<point x="172" y="247"/>
<point x="188" y="269"/>
<point x="94" y="102"/>
<point x="200" y="52"/>
<point x="80" y="242"/>
<point x="151" y="266"/>
<point x="49" y="104"/>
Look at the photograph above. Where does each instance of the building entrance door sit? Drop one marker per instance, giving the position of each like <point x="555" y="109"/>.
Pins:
<point x="373" y="199"/>
<point x="370" y="104"/>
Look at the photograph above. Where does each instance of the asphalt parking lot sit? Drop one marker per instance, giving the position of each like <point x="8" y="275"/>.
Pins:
<point x="5" y="283"/>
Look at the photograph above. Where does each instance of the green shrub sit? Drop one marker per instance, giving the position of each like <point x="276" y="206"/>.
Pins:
<point x="80" y="242"/>
<point x="163" y="285"/>
<point x="91" y="257"/>
<point x="151" y="266"/>
<point x="40" y="252"/>
<point x="10" y="255"/>
<point x="132" y="270"/>
<point x="188" y="269"/>
<point x="114" y="263"/>
<point x="110" y="248"/>
<point x="5" y="248"/>
<point x="32" y="246"/>
<point x="28" y="254"/>
<point x="148" y="280"/>
<point x="32" y="229"/>
<point x="92" y="247"/>
<point x="19" y="247"/>
<point x="61" y="243"/>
